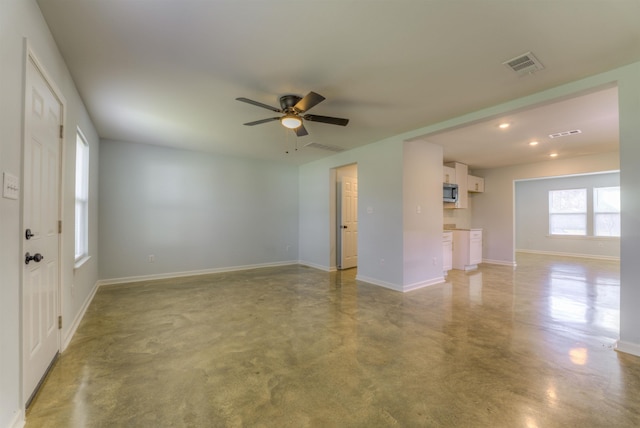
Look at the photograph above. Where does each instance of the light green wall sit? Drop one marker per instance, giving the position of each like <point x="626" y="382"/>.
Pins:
<point x="194" y="212"/>
<point x="21" y="20"/>
<point x="532" y="217"/>
<point x="379" y="211"/>
<point x="629" y="99"/>
<point x="422" y="215"/>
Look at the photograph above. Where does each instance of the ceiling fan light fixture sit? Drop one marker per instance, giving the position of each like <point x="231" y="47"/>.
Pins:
<point x="291" y="121"/>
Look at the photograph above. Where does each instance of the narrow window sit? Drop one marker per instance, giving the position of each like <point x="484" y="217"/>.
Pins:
<point x="606" y="211"/>
<point x="568" y="212"/>
<point x="82" y="198"/>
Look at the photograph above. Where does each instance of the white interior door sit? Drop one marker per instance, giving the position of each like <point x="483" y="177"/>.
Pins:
<point x="349" y="223"/>
<point x="40" y="216"/>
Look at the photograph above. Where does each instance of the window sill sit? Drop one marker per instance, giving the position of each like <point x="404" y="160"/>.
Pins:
<point x="81" y="261"/>
<point x="589" y="238"/>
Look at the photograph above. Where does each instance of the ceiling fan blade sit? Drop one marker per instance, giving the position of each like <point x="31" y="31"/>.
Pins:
<point x="259" y="104"/>
<point x="258" y="122"/>
<point x="301" y="131"/>
<point x="326" y="119"/>
<point x="310" y="100"/>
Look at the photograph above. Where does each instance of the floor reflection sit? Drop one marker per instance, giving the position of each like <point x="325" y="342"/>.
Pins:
<point x="580" y="293"/>
<point x="294" y="346"/>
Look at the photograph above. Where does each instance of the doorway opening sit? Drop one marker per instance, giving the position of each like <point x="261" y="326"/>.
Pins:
<point x="346" y="216"/>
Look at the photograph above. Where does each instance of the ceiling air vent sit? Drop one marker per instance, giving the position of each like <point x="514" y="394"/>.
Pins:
<point x="324" y="147"/>
<point x="524" y="64"/>
<point x="565" y="133"/>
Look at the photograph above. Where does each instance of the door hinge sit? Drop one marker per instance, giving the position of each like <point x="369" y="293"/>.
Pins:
<point x="59" y="226"/>
<point x="59" y="322"/>
<point x="61" y="131"/>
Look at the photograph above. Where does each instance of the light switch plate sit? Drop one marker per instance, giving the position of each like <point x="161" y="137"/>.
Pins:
<point x="10" y="186"/>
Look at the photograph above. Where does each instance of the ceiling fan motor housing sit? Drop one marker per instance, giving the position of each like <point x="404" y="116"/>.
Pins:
<point x="288" y="101"/>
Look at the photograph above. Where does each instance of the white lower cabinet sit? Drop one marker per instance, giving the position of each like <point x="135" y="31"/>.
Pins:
<point x="447" y="251"/>
<point x="467" y="249"/>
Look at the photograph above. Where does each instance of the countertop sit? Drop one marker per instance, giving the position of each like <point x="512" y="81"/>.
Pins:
<point x="456" y="228"/>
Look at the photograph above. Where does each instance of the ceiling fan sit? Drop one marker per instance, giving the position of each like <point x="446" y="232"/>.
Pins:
<point x="293" y="108"/>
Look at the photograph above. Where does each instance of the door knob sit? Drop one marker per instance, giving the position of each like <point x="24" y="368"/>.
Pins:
<point x="28" y="234"/>
<point x="344" y="227"/>
<point x="37" y="257"/>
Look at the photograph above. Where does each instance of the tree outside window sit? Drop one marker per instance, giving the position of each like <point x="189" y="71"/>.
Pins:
<point x="568" y="212"/>
<point x="606" y="211"/>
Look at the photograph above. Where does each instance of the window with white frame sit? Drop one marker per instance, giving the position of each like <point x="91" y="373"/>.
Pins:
<point x="568" y="212"/>
<point x="606" y="211"/>
<point x="82" y="198"/>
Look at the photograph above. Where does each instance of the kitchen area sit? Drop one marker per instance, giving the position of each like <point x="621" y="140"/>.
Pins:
<point x="461" y="244"/>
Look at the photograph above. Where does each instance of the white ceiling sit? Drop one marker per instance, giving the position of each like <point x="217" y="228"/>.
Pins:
<point x="485" y="145"/>
<point x="167" y="72"/>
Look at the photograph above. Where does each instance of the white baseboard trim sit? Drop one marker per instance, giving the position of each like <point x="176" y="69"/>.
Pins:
<point x="628" y="348"/>
<point x="401" y="288"/>
<point x="582" y="256"/>
<point x="76" y="322"/>
<point x="317" y="266"/>
<point x="499" y="262"/>
<point x="18" y="420"/>
<point x="418" y="285"/>
<point x="115" y="281"/>
<point x="394" y="287"/>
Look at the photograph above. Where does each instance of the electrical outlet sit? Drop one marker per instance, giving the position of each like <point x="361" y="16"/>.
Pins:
<point x="435" y="261"/>
<point x="381" y="262"/>
<point x="152" y="258"/>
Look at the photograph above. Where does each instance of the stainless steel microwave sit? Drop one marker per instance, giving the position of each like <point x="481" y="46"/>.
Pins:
<point x="449" y="192"/>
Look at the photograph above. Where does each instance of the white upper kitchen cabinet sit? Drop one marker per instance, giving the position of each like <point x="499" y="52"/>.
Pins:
<point x="448" y="175"/>
<point x="461" y="172"/>
<point x="475" y="184"/>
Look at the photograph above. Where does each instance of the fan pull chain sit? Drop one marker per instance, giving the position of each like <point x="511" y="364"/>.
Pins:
<point x="287" y="137"/>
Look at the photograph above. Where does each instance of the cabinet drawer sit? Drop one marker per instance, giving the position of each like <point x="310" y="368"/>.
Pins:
<point x="447" y="237"/>
<point x="475" y="235"/>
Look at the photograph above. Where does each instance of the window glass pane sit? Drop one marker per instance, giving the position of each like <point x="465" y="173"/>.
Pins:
<point x="81" y="228"/>
<point x="606" y="199"/>
<point x="82" y="198"/>
<point x="568" y="224"/>
<point x="607" y="224"/>
<point x="568" y="212"/>
<point x="568" y="201"/>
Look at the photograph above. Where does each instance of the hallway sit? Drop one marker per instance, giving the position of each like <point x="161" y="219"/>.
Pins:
<point x="294" y="346"/>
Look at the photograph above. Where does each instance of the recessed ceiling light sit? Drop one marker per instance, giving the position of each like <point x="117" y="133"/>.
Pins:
<point x="553" y="155"/>
<point x="533" y="143"/>
<point x="504" y="125"/>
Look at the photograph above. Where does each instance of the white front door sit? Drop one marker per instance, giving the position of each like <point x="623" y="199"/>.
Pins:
<point x="349" y="223"/>
<point x="43" y="116"/>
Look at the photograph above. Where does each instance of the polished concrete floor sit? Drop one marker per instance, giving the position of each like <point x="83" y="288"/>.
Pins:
<point x="295" y="347"/>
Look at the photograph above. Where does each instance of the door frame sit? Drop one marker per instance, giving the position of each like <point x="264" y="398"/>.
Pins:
<point x="30" y="56"/>
<point x="334" y="213"/>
